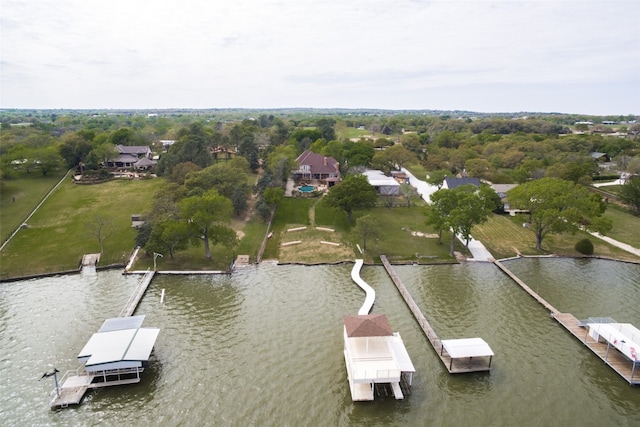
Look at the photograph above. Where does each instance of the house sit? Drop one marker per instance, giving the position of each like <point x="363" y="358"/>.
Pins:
<point x="501" y="190"/>
<point x="384" y="185"/>
<point x="316" y="166"/>
<point x="450" y="183"/>
<point x="132" y="156"/>
<point x="600" y="157"/>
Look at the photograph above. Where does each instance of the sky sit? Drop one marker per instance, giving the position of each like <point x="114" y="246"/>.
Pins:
<point x="566" y="56"/>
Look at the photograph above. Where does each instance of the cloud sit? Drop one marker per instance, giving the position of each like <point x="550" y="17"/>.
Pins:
<point x="270" y="53"/>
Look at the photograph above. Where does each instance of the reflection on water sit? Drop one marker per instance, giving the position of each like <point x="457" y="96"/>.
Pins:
<point x="264" y="346"/>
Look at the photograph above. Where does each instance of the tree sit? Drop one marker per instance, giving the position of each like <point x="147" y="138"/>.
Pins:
<point x="437" y="177"/>
<point x="408" y="192"/>
<point x="630" y="193"/>
<point x="168" y="236"/>
<point x="367" y="227"/>
<point x="206" y="216"/>
<point x="239" y="200"/>
<point x="557" y="206"/>
<point x="281" y="162"/>
<point x="354" y="192"/>
<point x="394" y="157"/>
<point x="221" y="176"/>
<point x="100" y="227"/>
<point x="273" y="195"/>
<point x="459" y="209"/>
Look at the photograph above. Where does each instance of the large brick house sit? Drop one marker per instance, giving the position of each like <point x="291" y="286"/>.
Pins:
<point x="314" y="166"/>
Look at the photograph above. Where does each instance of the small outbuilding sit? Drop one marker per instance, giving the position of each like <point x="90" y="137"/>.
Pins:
<point x="384" y="185"/>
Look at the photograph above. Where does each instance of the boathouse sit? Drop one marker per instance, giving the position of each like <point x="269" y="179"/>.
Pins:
<point x="375" y="355"/>
<point x="115" y="355"/>
<point x="118" y="351"/>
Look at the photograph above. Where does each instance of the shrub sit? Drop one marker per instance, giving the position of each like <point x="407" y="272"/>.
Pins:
<point x="585" y="247"/>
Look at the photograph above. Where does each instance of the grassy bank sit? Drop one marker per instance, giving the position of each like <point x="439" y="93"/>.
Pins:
<point x="504" y="236"/>
<point x="20" y="194"/>
<point x="58" y="236"/>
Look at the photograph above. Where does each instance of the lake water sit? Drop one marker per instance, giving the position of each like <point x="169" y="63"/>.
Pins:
<point x="263" y="347"/>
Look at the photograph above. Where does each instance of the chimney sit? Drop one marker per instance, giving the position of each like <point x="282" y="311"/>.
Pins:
<point x="325" y="161"/>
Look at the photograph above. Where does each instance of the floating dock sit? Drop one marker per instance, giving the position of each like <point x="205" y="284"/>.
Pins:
<point x="75" y="383"/>
<point x="626" y="368"/>
<point x="458" y="356"/>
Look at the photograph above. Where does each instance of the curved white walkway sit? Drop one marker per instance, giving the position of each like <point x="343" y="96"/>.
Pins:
<point x="370" y="293"/>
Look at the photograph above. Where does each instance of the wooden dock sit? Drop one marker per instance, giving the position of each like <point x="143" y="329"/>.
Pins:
<point x="455" y="366"/>
<point x="75" y="384"/>
<point x="135" y="298"/>
<point x="612" y="357"/>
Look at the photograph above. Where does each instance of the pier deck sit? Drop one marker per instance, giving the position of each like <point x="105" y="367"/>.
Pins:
<point x="454" y="366"/>
<point x="612" y="357"/>
<point x="72" y="391"/>
<point x="135" y="298"/>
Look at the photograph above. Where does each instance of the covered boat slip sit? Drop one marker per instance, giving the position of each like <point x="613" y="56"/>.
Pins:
<point x="374" y="355"/>
<point x="467" y="354"/>
<point x="623" y="337"/>
<point x="113" y="356"/>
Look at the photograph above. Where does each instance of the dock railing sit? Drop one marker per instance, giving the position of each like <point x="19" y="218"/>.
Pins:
<point x="137" y="294"/>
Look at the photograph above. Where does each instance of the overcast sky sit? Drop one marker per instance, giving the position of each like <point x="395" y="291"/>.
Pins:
<point x="565" y="56"/>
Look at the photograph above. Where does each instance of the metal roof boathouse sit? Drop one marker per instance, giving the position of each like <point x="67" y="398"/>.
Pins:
<point x="115" y="355"/>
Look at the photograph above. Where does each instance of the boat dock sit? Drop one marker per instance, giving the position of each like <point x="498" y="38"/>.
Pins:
<point x="135" y="298"/>
<point x="616" y="360"/>
<point x="455" y="365"/>
<point x="75" y="383"/>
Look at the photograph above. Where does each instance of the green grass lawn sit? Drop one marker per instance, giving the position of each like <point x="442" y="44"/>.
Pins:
<point x="504" y="236"/>
<point x="20" y="195"/>
<point x="395" y="237"/>
<point x="626" y="227"/>
<point x="57" y="236"/>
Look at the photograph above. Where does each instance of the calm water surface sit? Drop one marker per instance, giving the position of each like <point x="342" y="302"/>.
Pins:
<point x="264" y="347"/>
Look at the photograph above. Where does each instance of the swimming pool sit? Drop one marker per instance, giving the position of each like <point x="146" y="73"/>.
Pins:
<point x="306" y="188"/>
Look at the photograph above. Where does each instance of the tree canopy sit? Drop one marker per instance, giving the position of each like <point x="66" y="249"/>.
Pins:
<point x="460" y="209"/>
<point x="206" y="216"/>
<point x="558" y="206"/>
<point x="630" y="193"/>
<point x="354" y="192"/>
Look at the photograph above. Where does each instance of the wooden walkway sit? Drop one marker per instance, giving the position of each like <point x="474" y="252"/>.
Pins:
<point x="455" y="366"/>
<point x="75" y="384"/>
<point x="135" y="298"/>
<point x="612" y="357"/>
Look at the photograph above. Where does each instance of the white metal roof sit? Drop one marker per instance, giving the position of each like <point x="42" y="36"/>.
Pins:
<point x="378" y="179"/>
<point x="118" y="323"/>
<point x="119" y="341"/>
<point x="467" y="347"/>
<point x="623" y="336"/>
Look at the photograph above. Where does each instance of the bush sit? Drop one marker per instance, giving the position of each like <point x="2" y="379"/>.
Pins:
<point x="585" y="247"/>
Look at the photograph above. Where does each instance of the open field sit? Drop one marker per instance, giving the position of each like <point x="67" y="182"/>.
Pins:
<point x="57" y="236"/>
<point x="504" y="237"/>
<point x="626" y="227"/>
<point x="19" y="195"/>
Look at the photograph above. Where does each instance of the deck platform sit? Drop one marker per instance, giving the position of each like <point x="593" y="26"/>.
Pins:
<point x="135" y="298"/>
<point x="71" y="391"/>
<point x="454" y="366"/>
<point x="617" y="361"/>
